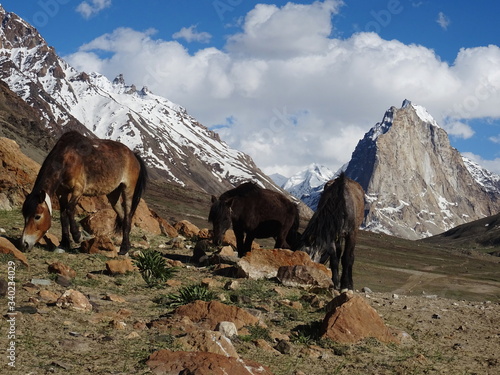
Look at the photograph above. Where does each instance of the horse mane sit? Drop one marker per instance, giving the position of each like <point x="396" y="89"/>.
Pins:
<point x="327" y="223"/>
<point x="243" y="190"/>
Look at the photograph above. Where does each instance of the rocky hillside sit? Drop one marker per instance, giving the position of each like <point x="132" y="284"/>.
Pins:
<point x="176" y="146"/>
<point x="416" y="184"/>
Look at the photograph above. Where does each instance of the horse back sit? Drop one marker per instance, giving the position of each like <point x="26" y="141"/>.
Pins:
<point x="96" y="166"/>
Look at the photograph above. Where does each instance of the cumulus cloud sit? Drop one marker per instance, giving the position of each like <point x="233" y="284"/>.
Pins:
<point x="288" y="93"/>
<point x="443" y="21"/>
<point x="90" y="8"/>
<point x="190" y="34"/>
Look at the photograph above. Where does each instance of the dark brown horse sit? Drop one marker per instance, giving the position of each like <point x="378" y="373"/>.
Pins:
<point x="78" y="166"/>
<point x="256" y="212"/>
<point x="338" y="217"/>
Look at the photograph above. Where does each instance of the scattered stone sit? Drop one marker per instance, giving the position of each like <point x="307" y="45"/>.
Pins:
<point x="436" y="316"/>
<point x="44" y="282"/>
<point x="3" y="287"/>
<point x="100" y="245"/>
<point x="74" y="300"/>
<point x="62" y="269"/>
<point x="264" y="345"/>
<point x="200" y="251"/>
<point x="187" y="229"/>
<point x="366" y="290"/>
<point x="283" y="346"/>
<point x="118" y="324"/>
<point x="47" y="296"/>
<point x="232" y="285"/>
<point x="132" y="335"/>
<point x="228" y="329"/>
<point x="120" y="266"/>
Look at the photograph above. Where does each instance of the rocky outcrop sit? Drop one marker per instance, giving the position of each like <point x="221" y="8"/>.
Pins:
<point x="416" y="184"/>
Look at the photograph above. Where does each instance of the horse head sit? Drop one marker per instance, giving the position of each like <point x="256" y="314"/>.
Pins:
<point x="37" y="212"/>
<point x="220" y="217"/>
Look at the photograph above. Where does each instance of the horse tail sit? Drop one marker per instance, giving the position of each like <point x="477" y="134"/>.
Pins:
<point x="140" y="186"/>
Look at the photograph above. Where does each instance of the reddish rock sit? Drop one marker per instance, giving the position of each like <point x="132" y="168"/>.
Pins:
<point x="7" y="247"/>
<point x="207" y="341"/>
<point x="210" y="314"/>
<point x="304" y="276"/>
<point x="50" y="240"/>
<point x="263" y="263"/>
<point x="353" y="319"/>
<point x="146" y="220"/>
<point x="120" y="266"/>
<point x="166" y="362"/>
<point x="99" y="245"/>
<point x="101" y="223"/>
<point x="186" y="228"/>
<point x="62" y="269"/>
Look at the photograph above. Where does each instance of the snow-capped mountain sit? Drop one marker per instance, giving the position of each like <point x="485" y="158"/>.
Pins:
<point x="308" y="184"/>
<point x="416" y="184"/>
<point x="174" y="144"/>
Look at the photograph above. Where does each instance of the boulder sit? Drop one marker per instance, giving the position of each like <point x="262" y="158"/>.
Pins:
<point x="74" y="300"/>
<point x="209" y="314"/>
<point x="186" y="228"/>
<point x="62" y="269"/>
<point x="352" y="319"/>
<point x="17" y="174"/>
<point x="304" y="276"/>
<point x="263" y="263"/>
<point x="99" y="245"/>
<point x="207" y="341"/>
<point x="120" y="266"/>
<point x="166" y="362"/>
<point x="7" y="247"/>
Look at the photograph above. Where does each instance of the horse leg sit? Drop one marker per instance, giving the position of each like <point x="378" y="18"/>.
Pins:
<point x="346" y="282"/>
<point x="334" y="265"/>
<point x="114" y="200"/>
<point x="281" y="239"/>
<point x="240" y="244"/>
<point x="65" y="223"/>
<point x="248" y="242"/>
<point x="126" y="223"/>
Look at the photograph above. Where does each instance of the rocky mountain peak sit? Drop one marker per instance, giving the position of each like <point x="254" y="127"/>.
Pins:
<point x="416" y="184"/>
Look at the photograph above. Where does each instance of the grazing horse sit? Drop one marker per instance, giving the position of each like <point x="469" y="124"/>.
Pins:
<point x="256" y="212"/>
<point x="78" y="166"/>
<point x="339" y="215"/>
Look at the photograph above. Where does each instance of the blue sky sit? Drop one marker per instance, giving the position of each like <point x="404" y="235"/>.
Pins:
<point x="292" y="83"/>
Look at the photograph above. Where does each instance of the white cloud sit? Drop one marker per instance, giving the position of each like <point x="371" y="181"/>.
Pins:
<point x="443" y="21"/>
<point x="495" y="139"/>
<point x="190" y="34"/>
<point x="458" y="129"/>
<point x="90" y="8"/>
<point x="288" y="93"/>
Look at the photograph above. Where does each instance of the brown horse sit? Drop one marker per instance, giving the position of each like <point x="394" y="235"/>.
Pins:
<point x="78" y="166"/>
<point x="339" y="215"/>
<point x="256" y="212"/>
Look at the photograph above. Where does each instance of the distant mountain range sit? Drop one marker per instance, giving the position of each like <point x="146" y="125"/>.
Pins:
<point x="175" y="145"/>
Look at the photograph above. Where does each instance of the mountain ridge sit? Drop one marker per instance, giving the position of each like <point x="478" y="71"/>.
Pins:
<point x="174" y="144"/>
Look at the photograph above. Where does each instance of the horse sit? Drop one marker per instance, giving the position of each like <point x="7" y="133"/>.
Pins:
<point x="338" y="217"/>
<point x="80" y="166"/>
<point x="254" y="212"/>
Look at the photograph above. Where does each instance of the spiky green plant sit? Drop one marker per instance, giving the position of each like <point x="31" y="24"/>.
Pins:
<point x="153" y="268"/>
<point x="189" y="294"/>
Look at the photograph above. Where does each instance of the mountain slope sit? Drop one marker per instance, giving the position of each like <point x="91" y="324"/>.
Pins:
<point x="175" y="146"/>
<point x="416" y="184"/>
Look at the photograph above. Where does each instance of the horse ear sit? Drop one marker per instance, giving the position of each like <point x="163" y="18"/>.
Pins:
<point x="41" y="196"/>
<point x="214" y="199"/>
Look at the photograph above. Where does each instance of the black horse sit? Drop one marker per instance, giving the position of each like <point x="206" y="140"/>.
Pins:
<point x="338" y="217"/>
<point x="256" y="212"/>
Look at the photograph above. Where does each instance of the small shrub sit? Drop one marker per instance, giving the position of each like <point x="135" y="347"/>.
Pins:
<point x="256" y="332"/>
<point x="153" y="268"/>
<point x="189" y="294"/>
